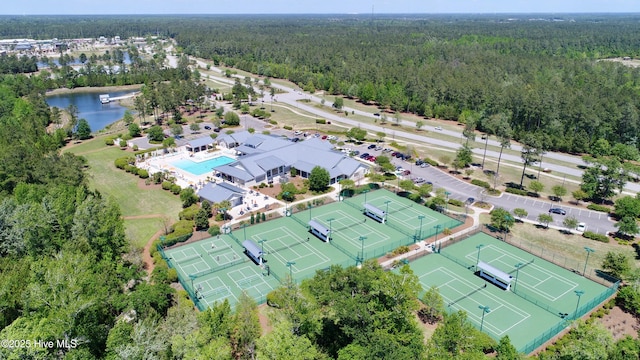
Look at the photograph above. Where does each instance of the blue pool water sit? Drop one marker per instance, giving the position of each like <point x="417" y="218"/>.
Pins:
<point x="203" y="167"/>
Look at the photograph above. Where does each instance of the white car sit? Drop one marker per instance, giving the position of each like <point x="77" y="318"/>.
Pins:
<point x="439" y="128"/>
<point x="582" y="227"/>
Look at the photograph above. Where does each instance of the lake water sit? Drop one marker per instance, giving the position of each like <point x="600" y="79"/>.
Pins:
<point x="89" y="107"/>
<point x="76" y="61"/>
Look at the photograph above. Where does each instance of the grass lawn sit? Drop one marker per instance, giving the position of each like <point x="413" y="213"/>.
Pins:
<point x="139" y="231"/>
<point x="121" y="186"/>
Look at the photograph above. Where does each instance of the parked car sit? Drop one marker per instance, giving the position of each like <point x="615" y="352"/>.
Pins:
<point x="324" y="137"/>
<point x="439" y="128"/>
<point x="295" y="139"/>
<point x="207" y="127"/>
<point x="406" y="172"/>
<point x="419" y="180"/>
<point x="582" y="227"/>
<point x="424" y="165"/>
<point x="419" y="162"/>
<point x="378" y="148"/>
<point x="297" y="132"/>
<point x="372" y="146"/>
<point x="376" y="114"/>
<point x="387" y="150"/>
<point x="355" y="153"/>
<point x="471" y="200"/>
<point x="557" y="211"/>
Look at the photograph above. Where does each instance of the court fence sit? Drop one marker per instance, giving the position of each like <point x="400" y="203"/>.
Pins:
<point x="186" y="284"/>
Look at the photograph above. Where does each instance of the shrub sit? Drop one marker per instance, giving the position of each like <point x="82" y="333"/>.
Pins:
<point x="456" y="202"/>
<point x="172" y="275"/>
<point x="480" y="183"/>
<point x="430" y="161"/>
<point x="108" y="141"/>
<point x="321" y="121"/>
<point x="189" y="213"/>
<point x="595" y="236"/>
<point x="166" y="185"/>
<point x="135" y="147"/>
<point x="120" y="163"/>
<point x="273" y="122"/>
<point x="516" y="191"/>
<point x="143" y="174"/>
<point x="287" y="127"/>
<point x="176" y="189"/>
<point x="130" y="169"/>
<point x="123" y="144"/>
<point x="415" y="197"/>
<point x="214" y="230"/>
<point x="400" y="250"/>
<point x="601" y="208"/>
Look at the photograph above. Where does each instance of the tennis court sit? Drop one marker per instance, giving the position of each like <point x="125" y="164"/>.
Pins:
<point x="216" y="268"/>
<point x="542" y="301"/>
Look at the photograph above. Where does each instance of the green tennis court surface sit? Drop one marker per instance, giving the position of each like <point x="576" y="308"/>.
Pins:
<point x="540" y="303"/>
<point x="216" y="268"/>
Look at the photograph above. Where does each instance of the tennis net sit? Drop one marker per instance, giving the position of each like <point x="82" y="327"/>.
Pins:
<point x="400" y="209"/>
<point x="467" y="295"/>
<point x="270" y="251"/>
<point x="349" y="226"/>
<point x="521" y="267"/>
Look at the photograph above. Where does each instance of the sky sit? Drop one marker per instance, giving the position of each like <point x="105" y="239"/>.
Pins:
<point x="104" y="7"/>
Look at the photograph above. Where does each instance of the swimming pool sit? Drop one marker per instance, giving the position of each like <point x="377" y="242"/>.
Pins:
<point x="203" y="167"/>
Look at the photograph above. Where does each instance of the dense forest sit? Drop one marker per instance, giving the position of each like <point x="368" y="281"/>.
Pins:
<point x="541" y="73"/>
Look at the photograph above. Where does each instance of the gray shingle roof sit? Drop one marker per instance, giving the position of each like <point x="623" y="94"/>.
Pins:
<point x="235" y="172"/>
<point x="207" y="140"/>
<point x="219" y="192"/>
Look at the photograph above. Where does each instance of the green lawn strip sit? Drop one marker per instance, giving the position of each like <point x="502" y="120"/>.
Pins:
<point x="122" y="186"/>
<point x="139" y="231"/>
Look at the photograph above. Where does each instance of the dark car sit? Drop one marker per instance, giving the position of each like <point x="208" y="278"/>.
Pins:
<point x="398" y="155"/>
<point x="372" y="146"/>
<point x="364" y="156"/>
<point x="376" y="114"/>
<point x="295" y="139"/>
<point x="470" y="200"/>
<point x="216" y="129"/>
<point x="419" y="162"/>
<point x="355" y="153"/>
<point x="207" y="127"/>
<point x="557" y="211"/>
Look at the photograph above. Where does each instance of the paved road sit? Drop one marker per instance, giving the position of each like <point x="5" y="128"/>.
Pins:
<point x="596" y="221"/>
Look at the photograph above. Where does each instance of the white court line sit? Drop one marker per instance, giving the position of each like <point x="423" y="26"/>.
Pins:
<point x="503" y="303"/>
<point x="570" y="284"/>
<point x="311" y="252"/>
<point x="353" y="242"/>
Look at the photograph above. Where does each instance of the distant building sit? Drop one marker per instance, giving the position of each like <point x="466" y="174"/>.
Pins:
<point x="104" y="99"/>
<point x="216" y="193"/>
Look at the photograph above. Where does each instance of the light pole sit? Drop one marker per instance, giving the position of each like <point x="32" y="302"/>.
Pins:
<point x="421" y="217"/>
<point x="192" y="277"/>
<point x="579" y="293"/>
<point x="310" y="206"/>
<point x="485" y="310"/>
<point x="286" y="193"/>
<point x="518" y="266"/>
<point x="480" y="246"/>
<point x="162" y="240"/>
<point x="330" y="220"/>
<point x="290" y="266"/>
<point x="261" y="242"/>
<point x="589" y="251"/>
<point x="437" y="227"/>
<point x="446" y="204"/>
<point x="244" y="231"/>
<point x="362" y="239"/>
<point x="386" y="213"/>
<point x="224" y="219"/>
<point x="365" y="195"/>
<point x="506" y="226"/>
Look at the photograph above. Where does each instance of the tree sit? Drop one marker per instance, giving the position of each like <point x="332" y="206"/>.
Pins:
<point x="506" y="351"/>
<point x="434" y="306"/>
<point x="419" y="124"/>
<point x="319" y="179"/>
<point x="338" y="103"/>
<point x="283" y="344"/>
<point x="346" y="184"/>
<point x="545" y="219"/>
<point x="628" y="226"/>
<point x="464" y="156"/>
<point x="536" y="186"/>
<point x="83" y="131"/>
<point x="202" y="219"/>
<point x="246" y="328"/>
<point x="231" y="119"/>
<point x="559" y="191"/>
<point x="425" y="190"/>
<point x="579" y="195"/>
<point x="617" y="264"/>
<point x="357" y="134"/>
<point x="188" y="197"/>
<point x="134" y="130"/>
<point x="384" y="163"/>
<point x="520" y="213"/>
<point x="380" y="135"/>
<point x="530" y="153"/>
<point x="407" y="185"/>
<point x="501" y="219"/>
<point x="194" y="127"/>
<point x="627" y="206"/>
<point x="603" y="178"/>
<point x="128" y="117"/>
<point x="570" y="222"/>
<point x="155" y="133"/>
<point x="176" y="130"/>
<point x="456" y="336"/>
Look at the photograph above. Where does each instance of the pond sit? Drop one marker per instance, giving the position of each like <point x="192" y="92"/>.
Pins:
<point x="89" y="107"/>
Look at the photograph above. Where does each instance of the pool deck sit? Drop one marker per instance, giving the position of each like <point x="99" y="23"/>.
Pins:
<point x="253" y="200"/>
